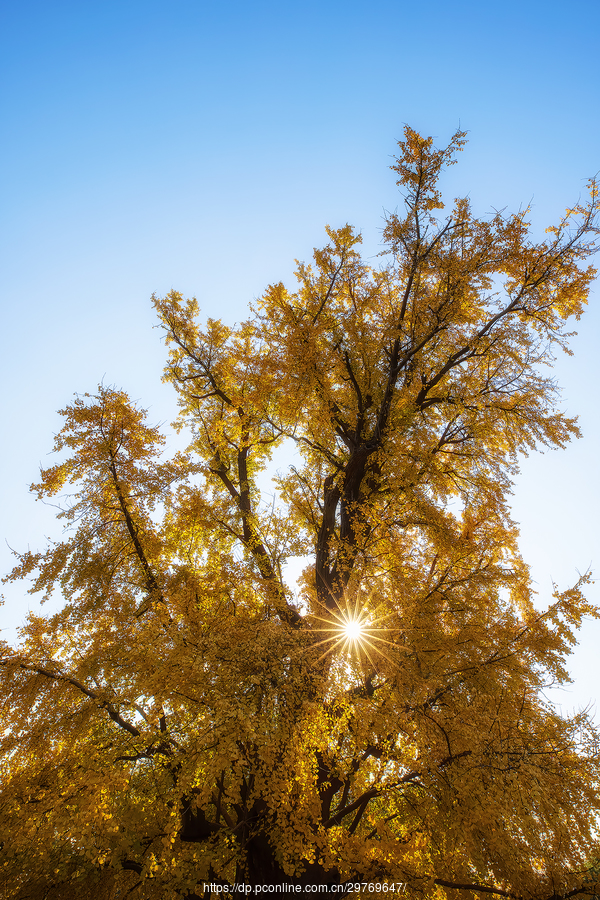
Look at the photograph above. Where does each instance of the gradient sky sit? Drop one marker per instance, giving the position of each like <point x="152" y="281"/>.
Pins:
<point x="202" y="147"/>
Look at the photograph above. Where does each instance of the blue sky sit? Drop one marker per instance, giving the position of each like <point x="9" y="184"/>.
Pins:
<point x="202" y="147"/>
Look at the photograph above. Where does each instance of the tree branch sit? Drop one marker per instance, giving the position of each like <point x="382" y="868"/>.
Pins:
<point x="59" y="676"/>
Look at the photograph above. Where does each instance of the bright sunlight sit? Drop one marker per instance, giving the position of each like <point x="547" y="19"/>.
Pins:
<point x="354" y="630"/>
<point x="358" y="630"/>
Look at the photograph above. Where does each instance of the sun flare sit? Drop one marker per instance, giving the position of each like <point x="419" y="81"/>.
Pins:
<point x="353" y="629"/>
<point x="358" y="630"/>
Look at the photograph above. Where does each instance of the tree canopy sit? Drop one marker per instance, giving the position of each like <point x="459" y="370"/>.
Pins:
<point x="186" y="717"/>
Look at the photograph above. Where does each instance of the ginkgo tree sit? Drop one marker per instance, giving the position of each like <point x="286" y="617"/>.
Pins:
<point x="187" y="719"/>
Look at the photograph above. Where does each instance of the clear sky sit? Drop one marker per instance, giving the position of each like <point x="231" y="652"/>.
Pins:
<point x="203" y="146"/>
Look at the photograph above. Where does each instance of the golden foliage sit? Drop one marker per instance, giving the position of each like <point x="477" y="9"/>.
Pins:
<point x="184" y="718"/>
